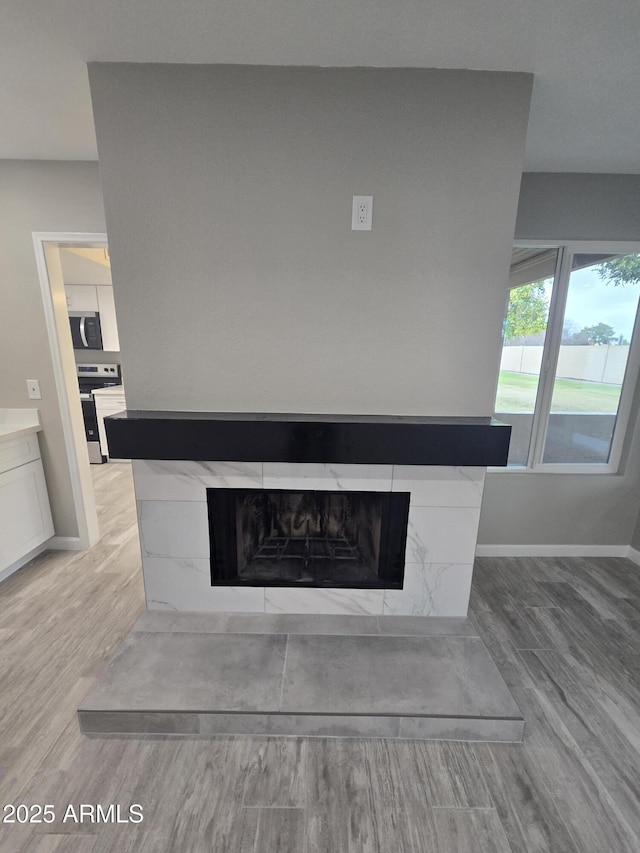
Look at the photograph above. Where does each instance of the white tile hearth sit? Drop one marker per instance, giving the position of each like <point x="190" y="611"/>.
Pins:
<point x="160" y="480"/>
<point x="353" y="601"/>
<point x="440" y="485"/>
<point x="354" y="478"/>
<point x="442" y="534"/>
<point x="434" y="589"/>
<point x="174" y="533"/>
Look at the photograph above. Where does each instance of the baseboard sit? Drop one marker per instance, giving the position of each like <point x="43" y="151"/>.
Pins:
<point x="634" y="555"/>
<point x="5" y="573"/>
<point x="66" y="543"/>
<point x="555" y="551"/>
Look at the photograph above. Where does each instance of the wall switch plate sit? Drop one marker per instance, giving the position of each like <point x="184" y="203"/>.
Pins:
<point x="362" y="213"/>
<point x="33" y="386"/>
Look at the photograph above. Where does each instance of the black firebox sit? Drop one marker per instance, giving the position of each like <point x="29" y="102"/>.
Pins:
<point x="278" y="537"/>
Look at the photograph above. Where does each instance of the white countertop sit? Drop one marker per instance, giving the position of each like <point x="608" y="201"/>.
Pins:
<point x="113" y="391"/>
<point x="17" y="422"/>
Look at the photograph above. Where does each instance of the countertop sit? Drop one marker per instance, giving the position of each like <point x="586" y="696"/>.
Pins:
<point x="17" y="422"/>
<point x="112" y="391"/>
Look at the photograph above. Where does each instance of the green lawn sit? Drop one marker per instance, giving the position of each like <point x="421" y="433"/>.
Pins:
<point x="517" y="393"/>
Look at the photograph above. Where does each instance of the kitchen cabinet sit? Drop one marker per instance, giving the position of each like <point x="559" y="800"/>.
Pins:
<point x="96" y="297"/>
<point x="81" y="297"/>
<point x="25" y="514"/>
<point x="109" y="401"/>
<point x="107" y="309"/>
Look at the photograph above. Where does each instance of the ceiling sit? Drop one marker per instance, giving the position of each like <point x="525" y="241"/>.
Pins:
<point x="93" y="255"/>
<point x="85" y="265"/>
<point x="585" y="112"/>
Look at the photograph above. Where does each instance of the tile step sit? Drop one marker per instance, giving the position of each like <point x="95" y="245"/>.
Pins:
<point x="207" y="675"/>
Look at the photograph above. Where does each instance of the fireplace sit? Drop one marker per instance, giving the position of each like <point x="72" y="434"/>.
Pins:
<point x="298" y="538"/>
<point x="188" y="533"/>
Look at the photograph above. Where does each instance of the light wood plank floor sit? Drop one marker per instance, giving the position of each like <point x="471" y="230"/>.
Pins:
<point x="564" y="633"/>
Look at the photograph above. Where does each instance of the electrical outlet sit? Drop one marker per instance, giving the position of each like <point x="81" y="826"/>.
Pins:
<point x="33" y="387"/>
<point x="362" y="213"/>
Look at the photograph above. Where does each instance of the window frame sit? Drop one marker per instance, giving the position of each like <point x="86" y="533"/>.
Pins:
<point x="551" y="353"/>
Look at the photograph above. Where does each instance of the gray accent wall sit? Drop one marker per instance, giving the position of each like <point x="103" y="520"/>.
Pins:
<point x="39" y="196"/>
<point x="255" y="295"/>
<point x="251" y="292"/>
<point x="571" y="509"/>
<point x="578" y="207"/>
<point x="517" y="508"/>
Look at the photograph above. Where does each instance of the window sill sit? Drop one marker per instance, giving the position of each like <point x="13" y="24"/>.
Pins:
<point x="593" y="469"/>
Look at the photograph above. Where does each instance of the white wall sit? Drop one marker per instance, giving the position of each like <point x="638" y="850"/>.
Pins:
<point x="253" y="294"/>
<point x="39" y="196"/>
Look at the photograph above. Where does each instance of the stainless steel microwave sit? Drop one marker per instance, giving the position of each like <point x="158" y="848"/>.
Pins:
<point x="85" y="329"/>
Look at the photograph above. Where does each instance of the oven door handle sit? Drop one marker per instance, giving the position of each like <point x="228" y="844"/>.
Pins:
<point x="83" y="336"/>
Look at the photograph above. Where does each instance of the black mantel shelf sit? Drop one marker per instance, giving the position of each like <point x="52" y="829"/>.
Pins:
<point x="335" y="439"/>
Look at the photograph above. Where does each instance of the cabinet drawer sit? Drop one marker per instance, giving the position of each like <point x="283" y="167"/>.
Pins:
<point x="19" y="451"/>
<point x="113" y="404"/>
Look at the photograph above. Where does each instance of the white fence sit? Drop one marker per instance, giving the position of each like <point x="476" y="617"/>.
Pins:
<point x="589" y="363"/>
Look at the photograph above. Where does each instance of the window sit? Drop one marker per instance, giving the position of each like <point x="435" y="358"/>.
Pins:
<point x="570" y="356"/>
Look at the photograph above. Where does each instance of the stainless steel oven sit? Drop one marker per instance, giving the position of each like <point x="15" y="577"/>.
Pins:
<point x="90" y="377"/>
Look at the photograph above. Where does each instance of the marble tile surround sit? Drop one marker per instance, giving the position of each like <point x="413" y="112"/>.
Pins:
<point x="444" y="512"/>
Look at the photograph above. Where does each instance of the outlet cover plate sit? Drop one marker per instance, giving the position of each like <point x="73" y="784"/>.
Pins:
<point x="362" y="213"/>
<point x="33" y="388"/>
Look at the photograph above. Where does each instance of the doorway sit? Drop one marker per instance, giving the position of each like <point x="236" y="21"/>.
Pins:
<point x="63" y="260"/>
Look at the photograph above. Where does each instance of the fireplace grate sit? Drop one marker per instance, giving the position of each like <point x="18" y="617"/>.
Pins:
<point x="294" y="538"/>
<point x="308" y="549"/>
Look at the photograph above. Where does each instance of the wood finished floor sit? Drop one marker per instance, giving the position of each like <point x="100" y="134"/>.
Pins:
<point x="564" y="633"/>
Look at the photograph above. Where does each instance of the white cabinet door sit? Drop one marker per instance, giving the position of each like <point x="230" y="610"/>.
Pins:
<point x="25" y="516"/>
<point x="107" y="406"/>
<point x="107" y="309"/>
<point x="81" y="297"/>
